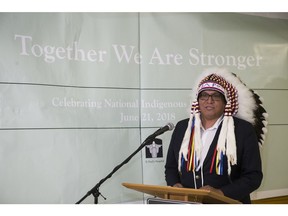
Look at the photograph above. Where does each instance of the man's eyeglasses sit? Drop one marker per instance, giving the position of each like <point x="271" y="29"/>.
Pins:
<point x="215" y="97"/>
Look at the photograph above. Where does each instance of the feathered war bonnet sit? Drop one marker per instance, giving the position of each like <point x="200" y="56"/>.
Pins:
<point x="242" y="102"/>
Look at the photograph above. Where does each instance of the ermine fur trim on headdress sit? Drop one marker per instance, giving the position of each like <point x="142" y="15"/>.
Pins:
<point x="242" y="102"/>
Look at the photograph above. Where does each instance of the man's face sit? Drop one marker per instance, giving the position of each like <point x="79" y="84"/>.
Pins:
<point x="211" y="104"/>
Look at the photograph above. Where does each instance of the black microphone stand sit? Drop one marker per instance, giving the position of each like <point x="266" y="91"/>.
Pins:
<point x="95" y="189"/>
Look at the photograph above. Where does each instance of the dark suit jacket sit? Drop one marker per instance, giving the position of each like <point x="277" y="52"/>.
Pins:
<point x="245" y="177"/>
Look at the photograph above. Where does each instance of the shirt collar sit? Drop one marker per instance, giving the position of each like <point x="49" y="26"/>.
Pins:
<point x="216" y="124"/>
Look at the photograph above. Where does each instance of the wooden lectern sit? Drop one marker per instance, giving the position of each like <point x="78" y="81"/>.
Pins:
<point x="182" y="194"/>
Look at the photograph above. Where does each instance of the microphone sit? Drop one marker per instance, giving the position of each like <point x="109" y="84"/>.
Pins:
<point x="161" y="130"/>
<point x="95" y="189"/>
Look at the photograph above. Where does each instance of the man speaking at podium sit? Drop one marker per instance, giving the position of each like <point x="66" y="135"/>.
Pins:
<point x="217" y="148"/>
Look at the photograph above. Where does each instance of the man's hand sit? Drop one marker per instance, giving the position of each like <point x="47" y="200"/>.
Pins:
<point x="209" y="188"/>
<point x="178" y="185"/>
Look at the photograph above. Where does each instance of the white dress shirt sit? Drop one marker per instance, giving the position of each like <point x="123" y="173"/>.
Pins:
<point x="207" y="136"/>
